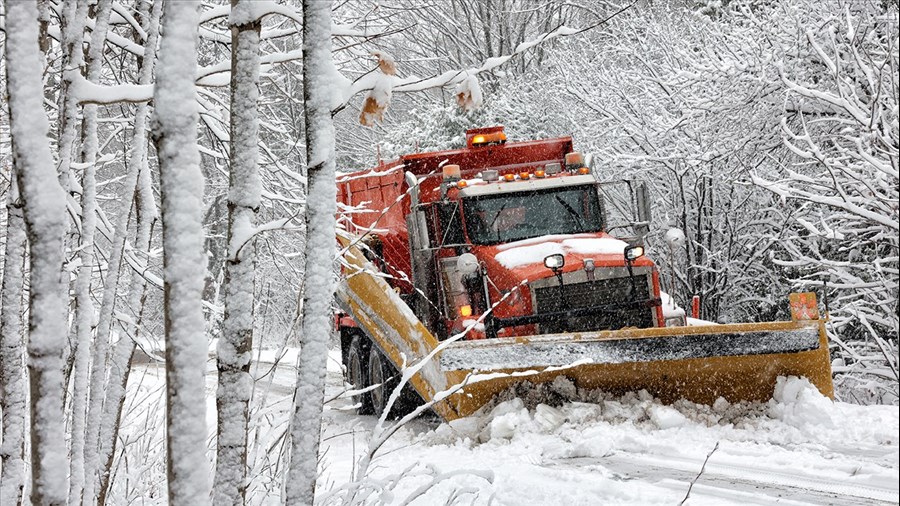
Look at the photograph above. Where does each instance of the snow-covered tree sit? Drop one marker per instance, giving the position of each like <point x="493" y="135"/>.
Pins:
<point x="838" y="69"/>
<point x="44" y="211"/>
<point x="84" y="313"/>
<point x="146" y="216"/>
<point x="175" y="119"/>
<point x="318" y="82"/>
<point x="235" y="344"/>
<point x="12" y="354"/>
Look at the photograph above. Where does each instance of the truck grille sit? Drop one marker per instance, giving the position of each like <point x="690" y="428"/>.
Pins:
<point x="590" y="294"/>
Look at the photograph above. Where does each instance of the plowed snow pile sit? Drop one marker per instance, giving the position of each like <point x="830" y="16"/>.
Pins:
<point x="799" y="448"/>
<point x="553" y="445"/>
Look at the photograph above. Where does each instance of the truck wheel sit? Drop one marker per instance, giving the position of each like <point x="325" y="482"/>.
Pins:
<point x="379" y="374"/>
<point x="357" y="365"/>
<point x="382" y="371"/>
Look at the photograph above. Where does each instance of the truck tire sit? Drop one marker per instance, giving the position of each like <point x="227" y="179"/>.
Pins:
<point x="379" y="374"/>
<point x="382" y="371"/>
<point x="357" y="373"/>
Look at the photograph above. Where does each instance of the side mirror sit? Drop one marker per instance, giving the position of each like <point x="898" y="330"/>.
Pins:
<point x="642" y="202"/>
<point x="674" y="237"/>
<point x="413" y="183"/>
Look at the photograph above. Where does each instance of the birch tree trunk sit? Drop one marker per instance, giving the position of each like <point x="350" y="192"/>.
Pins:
<point x="12" y="355"/>
<point x="44" y="207"/>
<point x="84" y="314"/>
<point x="73" y="16"/>
<point x="181" y="188"/>
<point x="234" y="350"/>
<point x="147" y="215"/>
<point x="73" y="20"/>
<point x="316" y="326"/>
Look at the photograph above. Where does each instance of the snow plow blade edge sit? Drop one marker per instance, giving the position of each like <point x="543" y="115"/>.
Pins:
<point x="607" y="347"/>
<point x="738" y="362"/>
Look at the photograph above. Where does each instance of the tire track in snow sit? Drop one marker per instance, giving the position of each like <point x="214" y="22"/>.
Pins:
<point x="735" y="481"/>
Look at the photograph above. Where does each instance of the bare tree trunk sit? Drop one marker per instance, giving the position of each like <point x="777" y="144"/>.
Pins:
<point x="181" y="189"/>
<point x="245" y="193"/>
<point x="147" y="214"/>
<point x="84" y="314"/>
<point x="12" y="355"/>
<point x="44" y="207"/>
<point x="43" y="26"/>
<point x="123" y="353"/>
<point x="73" y="20"/>
<point x="316" y="325"/>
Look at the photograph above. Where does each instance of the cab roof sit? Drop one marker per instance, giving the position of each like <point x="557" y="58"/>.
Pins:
<point x="477" y="188"/>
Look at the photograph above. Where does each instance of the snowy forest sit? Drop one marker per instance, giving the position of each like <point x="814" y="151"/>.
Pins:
<point x="168" y="170"/>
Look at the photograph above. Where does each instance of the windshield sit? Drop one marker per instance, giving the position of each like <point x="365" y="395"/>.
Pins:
<point x="494" y="219"/>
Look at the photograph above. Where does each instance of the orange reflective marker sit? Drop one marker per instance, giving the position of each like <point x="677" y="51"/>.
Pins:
<point x="804" y="306"/>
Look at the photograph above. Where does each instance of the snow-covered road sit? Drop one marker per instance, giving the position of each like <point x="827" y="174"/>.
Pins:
<point x="798" y="449"/>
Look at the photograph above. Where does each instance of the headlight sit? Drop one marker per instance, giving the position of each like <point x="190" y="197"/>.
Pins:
<point x="633" y="252"/>
<point x="554" y="262"/>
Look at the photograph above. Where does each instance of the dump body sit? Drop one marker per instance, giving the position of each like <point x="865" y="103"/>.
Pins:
<point x="493" y="264"/>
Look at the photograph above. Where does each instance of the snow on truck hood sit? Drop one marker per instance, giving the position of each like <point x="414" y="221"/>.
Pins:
<point x="533" y="251"/>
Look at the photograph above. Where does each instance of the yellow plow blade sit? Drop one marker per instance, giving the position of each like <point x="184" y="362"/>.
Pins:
<point x="739" y="362"/>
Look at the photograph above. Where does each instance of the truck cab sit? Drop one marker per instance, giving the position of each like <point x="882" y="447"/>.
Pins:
<point x="509" y="239"/>
<point x="532" y="249"/>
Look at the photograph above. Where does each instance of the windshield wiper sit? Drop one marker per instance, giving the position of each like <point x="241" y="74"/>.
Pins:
<point x="491" y="225"/>
<point x="571" y="211"/>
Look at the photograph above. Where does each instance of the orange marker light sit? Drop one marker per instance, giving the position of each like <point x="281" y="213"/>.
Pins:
<point x="465" y="310"/>
<point x="524" y="176"/>
<point x="509" y="177"/>
<point x="450" y="171"/>
<point x="584" y="170"/>
<point x="461" y="184"/>
<point x="538" y="173"/>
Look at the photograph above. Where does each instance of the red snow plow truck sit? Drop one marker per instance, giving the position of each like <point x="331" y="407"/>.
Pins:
<point x="478" y="268"/>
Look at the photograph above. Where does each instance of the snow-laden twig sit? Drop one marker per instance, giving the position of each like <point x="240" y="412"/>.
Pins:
<point x="243" y="235"/>
<point x="413" y="83"/>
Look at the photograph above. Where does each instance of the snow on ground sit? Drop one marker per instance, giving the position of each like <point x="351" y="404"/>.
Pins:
<point x="799" y="448"/>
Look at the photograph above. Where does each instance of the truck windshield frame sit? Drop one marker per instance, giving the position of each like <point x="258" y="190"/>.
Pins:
<point x="507" y="217"/>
